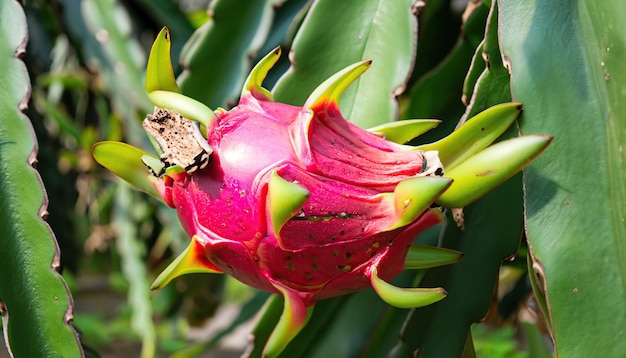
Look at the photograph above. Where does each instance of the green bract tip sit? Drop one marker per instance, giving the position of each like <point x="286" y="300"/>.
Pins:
<point x="412" y="197"/>
<point x="331" y="89"/>
<point x="403" y="131"/>
<point x="125" y="161"/>
<point x="294" y="317"/>
<point x="254" y="82"/>
<point x="159" y="71"/>
<point x="474" y="135"/>
<point x="484" y="171"/>
<point x="192" y="260"/>
<point x="284" y="201"/>
<point x="405" y="297"/>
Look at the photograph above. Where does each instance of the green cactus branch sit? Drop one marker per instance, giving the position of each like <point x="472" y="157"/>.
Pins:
<point x="37" y="306"/>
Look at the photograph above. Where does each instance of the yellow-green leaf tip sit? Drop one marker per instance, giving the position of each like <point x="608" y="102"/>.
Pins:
<point x="474" y="135"/>
<point x="254" y="82"/>
<point x="331" y="89"/>
<point x="405" y="297"/>
<point x="125" y="161"/>
<point x="484" y="171"/>
<point x="294" y="317"/>
<point x="159" y="71"/>
<point x="284" y="201"/>
<point x="192" y="260"/>
<point x="412" y="197"/>
<point x="403" y="131"/>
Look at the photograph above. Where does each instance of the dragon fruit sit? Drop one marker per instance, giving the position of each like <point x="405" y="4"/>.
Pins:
<point x="300" y="202"/>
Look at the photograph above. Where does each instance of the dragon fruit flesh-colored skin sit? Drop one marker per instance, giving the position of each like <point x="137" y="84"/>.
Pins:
<point x="297" y="200"/>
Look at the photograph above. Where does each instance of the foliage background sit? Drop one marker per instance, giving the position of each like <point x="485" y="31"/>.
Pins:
<point x="563" y="59"/>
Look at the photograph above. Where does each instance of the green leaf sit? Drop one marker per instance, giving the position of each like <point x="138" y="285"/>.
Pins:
<point x="336" y="34"/>
<point x="486" y="170"/>
<point x="159" y="70"/>
<point x="567" y="66"/>
<point x="36" y="304"/>
<point x="403" y="131"/>
<point x="124" y="160"/>
<point x="475" y="134"/>
<point x="216" y="59"/>
<point x="424" y="256"/>
<point x="405" y="297"/>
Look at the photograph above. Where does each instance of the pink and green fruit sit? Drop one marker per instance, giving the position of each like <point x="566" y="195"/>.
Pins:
<point x="301" y="202"/>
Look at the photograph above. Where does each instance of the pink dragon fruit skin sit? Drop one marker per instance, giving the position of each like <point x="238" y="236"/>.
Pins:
<point x="339" y="232"/>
